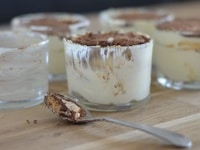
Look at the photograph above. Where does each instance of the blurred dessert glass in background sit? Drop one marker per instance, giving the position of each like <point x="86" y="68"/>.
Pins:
<point x="55" y="25"/>
<point x="177" y="53"/>
<point x="132" y="19"/>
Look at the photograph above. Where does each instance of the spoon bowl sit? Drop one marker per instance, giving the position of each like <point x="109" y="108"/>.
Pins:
<point x="69" y="108"/>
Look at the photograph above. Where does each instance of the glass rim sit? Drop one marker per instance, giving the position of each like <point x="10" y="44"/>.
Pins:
<point x="43" y="39"/>
<point x="83" y="21"/>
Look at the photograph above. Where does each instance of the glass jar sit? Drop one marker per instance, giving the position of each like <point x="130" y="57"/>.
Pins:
<point x="23" y="69"/>
<point x="177" y="54"/>
<point x="106" y="72"/>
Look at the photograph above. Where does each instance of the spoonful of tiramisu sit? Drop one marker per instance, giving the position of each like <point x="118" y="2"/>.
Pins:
<point x="71" y="110"/>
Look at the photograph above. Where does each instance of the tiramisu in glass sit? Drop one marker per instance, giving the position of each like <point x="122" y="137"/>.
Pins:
<point x="177" y="56"/>
<point x="109" y="71"/>
<point x="132" y="19"/>
<point x="55" y="25"/>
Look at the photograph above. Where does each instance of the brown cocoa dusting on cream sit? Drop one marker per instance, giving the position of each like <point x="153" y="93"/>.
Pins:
<point x="189" y="27"/>
<point x="54" y="26"/>
<point x="50" y="22"/>
<point x="110" y="39"/>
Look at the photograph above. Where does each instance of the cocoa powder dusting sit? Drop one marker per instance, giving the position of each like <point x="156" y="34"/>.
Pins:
<point x="110" y="39"/>
<point x="187" y="27"/>
<point x="55" y="26"/>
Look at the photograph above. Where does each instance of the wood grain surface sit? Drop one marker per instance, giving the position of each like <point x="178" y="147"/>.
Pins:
<point x="37" y="128"/>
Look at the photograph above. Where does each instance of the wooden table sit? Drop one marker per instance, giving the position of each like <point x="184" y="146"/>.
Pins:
<point x="37" y="128"/>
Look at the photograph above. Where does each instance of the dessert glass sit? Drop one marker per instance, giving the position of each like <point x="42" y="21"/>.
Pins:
<point x="132" y="19"/>
<point x="177" y="55"/>
<point x="23" y="69"/>
<point x="55" y="25"/>
<point x="106" y="72"/>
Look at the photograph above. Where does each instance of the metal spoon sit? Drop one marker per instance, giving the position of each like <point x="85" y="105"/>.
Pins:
<point x="70" y="109"/>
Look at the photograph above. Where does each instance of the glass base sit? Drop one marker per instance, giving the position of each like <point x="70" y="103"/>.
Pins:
<point x="57" y="77"/>
<point x="6" y="105"/>
<point x="177" y="85"/>
<point x="110" y="107"/>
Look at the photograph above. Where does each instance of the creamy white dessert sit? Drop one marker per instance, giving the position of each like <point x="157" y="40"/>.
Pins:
<point x="55" y="25"/>
<point x="177" y="53"/>
<point x="132" y="19"/>
<point x="109" y="68"/>
<point x="23" y="69"/>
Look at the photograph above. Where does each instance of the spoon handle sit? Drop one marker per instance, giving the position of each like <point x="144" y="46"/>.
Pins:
<point x="175" y="139"/>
